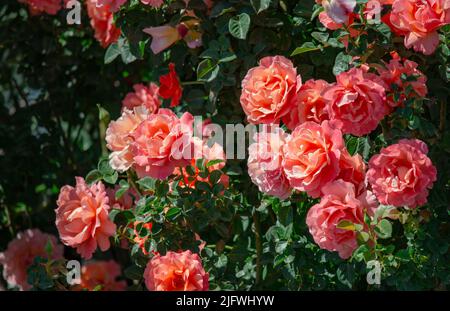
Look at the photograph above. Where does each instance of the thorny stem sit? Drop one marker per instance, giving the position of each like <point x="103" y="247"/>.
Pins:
<point x="132" y="183"/>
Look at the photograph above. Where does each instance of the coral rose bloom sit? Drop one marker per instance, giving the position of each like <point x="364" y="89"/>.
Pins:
<point x="82" y="217"/>
<point x="118" y="137"/>
<point x="181" y="271"/>
<point x="402" y="174"/>
<point x="311" y="156"/>
<point x="339" y="202"/>
<point x="419" y="21"/>
<point x="357" y="100"/>
<point x="269" y="91"/>
<point x="143" y="96"/>
<point x="103" y="273"/>
<point x="352" y="169"/>
<point x="102" y="21"/>
<point x="311" y="106"/>
<point x="265" y="163"/>
<point x="162" y="142"/>
<point x="21" y="252"/>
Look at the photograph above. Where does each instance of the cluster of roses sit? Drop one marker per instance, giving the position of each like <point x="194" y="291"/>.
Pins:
<point x="314" y="159"/>
<point x="153" y="140"/>
<point x="148" y="139"/>
<point x="417" y="21"/>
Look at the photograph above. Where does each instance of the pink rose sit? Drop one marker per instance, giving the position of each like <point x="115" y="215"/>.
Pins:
<point x="103" y="273"/>
<point x="118" y="137"/>
<point x="391" y="73"/>
<point x="162" y="142"/>
<point x="311" y="106"/>
<point x="102" y="21"/>
<point x="402" y="174"/>
<point x="269" y="91"/>
<point x="419" y="21"/>
<point x="311" y="156"/>
<point x="82" y="217"/>
<point x="339" y="202"/>
<point x="143" y="96"/>
<point x="181" y="271"/>
<point x="265" y="162"/>
<point x="357" y="100"/>
<point x="352" y="169"/>
<point x="21" y="252"/>
<point x="37" y="7"/>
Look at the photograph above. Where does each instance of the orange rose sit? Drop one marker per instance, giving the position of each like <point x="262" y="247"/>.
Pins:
<point x="269" y="90"/>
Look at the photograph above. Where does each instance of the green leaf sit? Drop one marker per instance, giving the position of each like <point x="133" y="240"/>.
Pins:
<point x="384" y="229"/>
<point x="203" y="186"/>
<point x="239" y="25"/>
<point x="147" y="183"/>
<point x="362" y="237"/>
<point x="111" y="53"/>
<point x="190" y="170"/>
<point x="104" y="168"/>
<point x="124" y="186"/>
<point x="260" y="5"/>
<point x="341" y="63"/>
<point x="93" y="176"/>
<point x="207" y="70"/>
<point x="281" y="246"/>
<point x="214" y="176"/>
<point x="322" y="37"/>
<point x="111" y="179"/>
<point x="173" y="212"/>
<point x="49" y="248"/>
<point x="113" y="213"/>
<point x="213" y="162"/>
<point x="305" y="47"/>
<point x="346" y="225"/>
<point x="162" y="189"/>
<point x="384" y="30"/>
<point x="125" y="51"/>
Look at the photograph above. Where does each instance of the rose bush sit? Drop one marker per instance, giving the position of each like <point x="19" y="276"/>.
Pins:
<point x="343" y="160"/>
